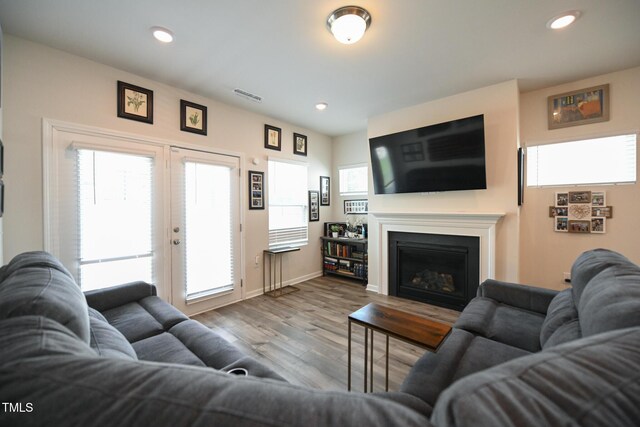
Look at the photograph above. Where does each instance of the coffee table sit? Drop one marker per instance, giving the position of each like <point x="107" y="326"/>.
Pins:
<point x="407" y="327"/>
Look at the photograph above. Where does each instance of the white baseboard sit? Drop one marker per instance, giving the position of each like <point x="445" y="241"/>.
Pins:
<point x="373" y="288"/>
<point x="290" y="282"/>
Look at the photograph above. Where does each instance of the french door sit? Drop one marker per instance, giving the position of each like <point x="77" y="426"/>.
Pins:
<point x="205" y="230"/>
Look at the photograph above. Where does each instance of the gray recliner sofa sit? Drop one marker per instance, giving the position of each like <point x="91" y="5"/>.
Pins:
<point x="518" y="356"/>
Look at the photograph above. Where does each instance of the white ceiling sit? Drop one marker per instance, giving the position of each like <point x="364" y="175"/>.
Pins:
<point x="414" y="51"/>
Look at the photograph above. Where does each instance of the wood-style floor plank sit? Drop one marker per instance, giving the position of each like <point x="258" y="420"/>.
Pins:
<point x="303" y="335"/>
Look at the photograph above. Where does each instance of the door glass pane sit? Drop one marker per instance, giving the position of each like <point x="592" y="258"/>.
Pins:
<point x="114" y="202"/>
<point x="208" y="231"/>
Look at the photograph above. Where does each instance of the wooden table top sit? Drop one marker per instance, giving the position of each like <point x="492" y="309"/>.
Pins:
<point x="416" y="330"/>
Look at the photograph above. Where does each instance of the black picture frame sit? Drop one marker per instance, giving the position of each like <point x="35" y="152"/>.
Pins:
<point x="256" y="190"/>
<point x="520" y="176"/>
<point x="325" y="191"/>
<point x="360" y="206"/>
<point x="131" y="99"/>
<point x="314" y="205"/>
<point x="193" y="117"/>
<point x="341" y="225"/>
<point x="299" y="144"/>
<point x="1" y="159"/>
<point x="1" y="198"/>
<point x="272" y="138"/>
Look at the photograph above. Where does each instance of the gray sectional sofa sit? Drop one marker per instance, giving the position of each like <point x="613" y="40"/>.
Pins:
<point x="517" y="356"/>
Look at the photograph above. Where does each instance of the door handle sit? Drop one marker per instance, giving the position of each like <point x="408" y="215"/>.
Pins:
<point x="176" y="241"/>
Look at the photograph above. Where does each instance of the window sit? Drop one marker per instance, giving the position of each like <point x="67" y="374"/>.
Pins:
<point x="115" y="218"/>
<point x="610" y="160"/>
<point x="287" y="203"/>
<point x="353" y="180"/>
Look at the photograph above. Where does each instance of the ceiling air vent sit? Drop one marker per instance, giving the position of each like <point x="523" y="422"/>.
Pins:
<point x="247" y="95"/>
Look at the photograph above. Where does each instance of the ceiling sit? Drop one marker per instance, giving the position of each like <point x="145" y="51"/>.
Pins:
<point x="415" y="50"/>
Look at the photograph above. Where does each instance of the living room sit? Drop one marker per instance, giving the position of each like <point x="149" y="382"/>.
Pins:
<point x="47" y="91"/>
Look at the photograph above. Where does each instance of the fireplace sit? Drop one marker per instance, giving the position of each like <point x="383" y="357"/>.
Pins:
<point x="438" y="269"/>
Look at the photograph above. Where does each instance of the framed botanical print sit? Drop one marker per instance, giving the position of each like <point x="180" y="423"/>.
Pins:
<point x="299" y="144"/>
<point x="135" y="103"/>
<point x="193" y="117"/>
<point x="272" y="137"/>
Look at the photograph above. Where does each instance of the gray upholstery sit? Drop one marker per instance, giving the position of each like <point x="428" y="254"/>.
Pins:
<point x="35" y="282"/>
<point x="561" y="323"/>
<point x="594" y="381"/>
<point x="107" y="341"/>
<point x="463" y="353"/>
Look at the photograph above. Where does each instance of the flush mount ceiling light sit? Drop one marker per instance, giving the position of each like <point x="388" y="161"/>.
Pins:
<point x="321" y="106"/>
<point x="162" y="34"/>
<point x="348" y="23"/>
<point x="563" y="20"/>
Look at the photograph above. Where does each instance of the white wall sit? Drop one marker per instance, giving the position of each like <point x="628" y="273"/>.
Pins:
<point x="48" y="83"/>
<point x="499" y="104"/>
<point x="540" y="245"/>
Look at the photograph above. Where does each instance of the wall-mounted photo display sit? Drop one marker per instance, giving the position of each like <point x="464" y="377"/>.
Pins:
<point x="580" y="212"/>
<point x="325" y="191"/>
<point x="314" y="205"/>
<point x="299" y="144"/>
<point x="256" y="190"/>
<point x="272" y="137"/>
<point x="135" y="103"/>
<point x="356" y="206"/>
<point x="193" y="117"/>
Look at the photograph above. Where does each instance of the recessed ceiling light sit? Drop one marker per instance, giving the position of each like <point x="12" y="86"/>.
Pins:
<point x="348" y="23"/>
<point x="321" y="106"/>
<point x="563" y="20"/>
<point x="162" y="34"/>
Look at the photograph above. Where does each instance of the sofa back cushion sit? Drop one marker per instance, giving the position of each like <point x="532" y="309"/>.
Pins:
<point x="106" y="340"/>
<point x="593" y="381"/>
<point x="589" y="264"/>
<point x="561" y="323"/>
<point x="35" y="283"/>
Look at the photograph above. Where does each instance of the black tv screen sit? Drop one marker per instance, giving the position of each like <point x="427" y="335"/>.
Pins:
<point x="443" y="157"/>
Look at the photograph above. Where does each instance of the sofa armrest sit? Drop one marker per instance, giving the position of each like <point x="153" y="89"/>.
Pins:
<point x="521" y="296"/>
<point x="115" y="296"/>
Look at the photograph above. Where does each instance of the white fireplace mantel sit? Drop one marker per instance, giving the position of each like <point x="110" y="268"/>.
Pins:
<point x="481" y="225"/>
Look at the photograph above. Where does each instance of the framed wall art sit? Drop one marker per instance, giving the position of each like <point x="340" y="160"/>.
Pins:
<point x="272" y="137"/>
<point x="356" y="206"/>
<point x="580" y="107"/>
<point x="325" y="191"/>
<point x="135" y="103"/>
<point x="581" y="212"/>
<point x="314" y="205"/>
<point x="193" y="117"/>
<point x="299" y="144"/>
<point x="256" y="190"/>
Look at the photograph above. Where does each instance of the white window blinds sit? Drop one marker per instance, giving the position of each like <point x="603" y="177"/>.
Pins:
<point x="353" y="180"/>
<point x="288" y="223"/>
<point x="115" y="218"/>
<point x="609" y="160"/>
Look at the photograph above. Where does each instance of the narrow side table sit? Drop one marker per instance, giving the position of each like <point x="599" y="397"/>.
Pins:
<point x="407" y="327"/>
<point x="275" y="255"/>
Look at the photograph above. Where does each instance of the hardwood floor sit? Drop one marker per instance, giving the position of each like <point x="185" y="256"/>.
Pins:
<point x="303" y="335"/>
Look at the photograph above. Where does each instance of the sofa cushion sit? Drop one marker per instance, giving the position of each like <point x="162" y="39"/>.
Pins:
<point x="611" y="300"/>
<point x="106" y="340"/>
<point x="561" y="324"/>
<point x="463" y="353"/>
<point x="133" y="321"/>
<point x="593" y="381"/>
<point x="495" y="320"/>
<point x="35" y="283"/>
<point x="208" y="346"/>
<point x="591" y="263"/>
<point x="165" y="348"/>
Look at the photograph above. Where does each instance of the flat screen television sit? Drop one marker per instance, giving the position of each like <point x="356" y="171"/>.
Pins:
<point x="443" y="157"/>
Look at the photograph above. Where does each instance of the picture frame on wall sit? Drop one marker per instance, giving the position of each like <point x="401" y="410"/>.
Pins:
<point x="272" y="138"/>
<point x="135" y="102"/>
<point x="579" y="107"/>
<point x="561" y="224"/>
<point x="314" y="205"/>
<point x="299" y="144"/>
<point x="1" y="159"/>
<point x="580" y="226"/>
<point x="256" y="190"/>
<point x="325" y="191"/>
<point x="193" y="117"/>
<point x="598" y="225"/>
